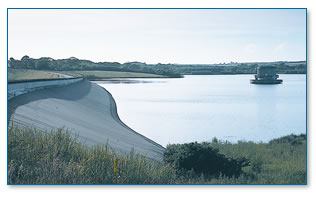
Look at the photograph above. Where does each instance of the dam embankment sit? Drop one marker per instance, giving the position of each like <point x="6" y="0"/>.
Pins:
<point x="22" y="87"/>
<point x="82" y="108"/>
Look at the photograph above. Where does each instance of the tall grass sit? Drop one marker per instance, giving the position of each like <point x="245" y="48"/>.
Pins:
<point x="276" y="162"/>
<point x="35" y="157"/>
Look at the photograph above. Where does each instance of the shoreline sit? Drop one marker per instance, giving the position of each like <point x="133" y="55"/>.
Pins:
<point x="115" y="116"/>
<point x="136" y="78"/>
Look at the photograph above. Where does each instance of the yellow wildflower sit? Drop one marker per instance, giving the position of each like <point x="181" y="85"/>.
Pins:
<point x="115" y="166"/>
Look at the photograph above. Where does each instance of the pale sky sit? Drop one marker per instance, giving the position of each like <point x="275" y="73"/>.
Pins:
<point x="159" y="36"/>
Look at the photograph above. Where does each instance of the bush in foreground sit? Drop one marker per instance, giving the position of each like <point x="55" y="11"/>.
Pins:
<point x="202" y="158"/>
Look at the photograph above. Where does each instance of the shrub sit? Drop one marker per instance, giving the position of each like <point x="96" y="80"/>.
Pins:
<point x="202" y="158"/>
<point x="290" y="139"/>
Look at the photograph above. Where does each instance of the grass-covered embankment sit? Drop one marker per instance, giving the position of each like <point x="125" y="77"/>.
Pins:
<point x="99" y="75"/>
<point x="25" y="74"/>
<point x="36" y="157"/>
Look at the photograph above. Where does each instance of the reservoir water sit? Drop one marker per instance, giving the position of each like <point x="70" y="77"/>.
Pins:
<point x="199" y="108"/>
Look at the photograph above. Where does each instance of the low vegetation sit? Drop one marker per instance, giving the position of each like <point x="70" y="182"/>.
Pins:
<point x="36" y="157"/>
<point x="280" y="161"/>
<point x="58" y="158"/>
<point x="24" y="74"/>
<point x="95" y="75"/>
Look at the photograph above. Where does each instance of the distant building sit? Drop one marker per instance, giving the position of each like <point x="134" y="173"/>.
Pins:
<point x="266" y="75"/>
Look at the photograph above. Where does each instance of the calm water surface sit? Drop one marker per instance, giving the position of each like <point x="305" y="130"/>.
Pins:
<point x="198" y="108"/>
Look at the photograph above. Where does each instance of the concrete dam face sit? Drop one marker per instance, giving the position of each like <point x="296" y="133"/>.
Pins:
<point x="82" y="108"/>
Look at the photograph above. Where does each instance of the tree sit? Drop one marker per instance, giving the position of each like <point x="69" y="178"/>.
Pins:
<point x="25" y="58"/>
<point x="27" y="62"/>
<point x="42" y="64"/>
<point x="15" y="63"/>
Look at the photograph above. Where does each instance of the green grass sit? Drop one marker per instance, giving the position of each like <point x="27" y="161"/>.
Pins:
<point x="115" y="74"/>
<point x="25" y="74"/>
<point x="35" y="157"/>
<point x="276" y="162"/>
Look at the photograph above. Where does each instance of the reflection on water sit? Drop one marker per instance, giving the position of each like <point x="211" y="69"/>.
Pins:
<point x="198" y="108"/>
<point x="126" y="81"/>
<point x="266" y="107"/>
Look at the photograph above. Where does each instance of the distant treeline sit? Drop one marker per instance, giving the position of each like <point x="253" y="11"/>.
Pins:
<point x="241" y="68"/>
<point x="169" y="70"/>
<point x="74" y="64"/>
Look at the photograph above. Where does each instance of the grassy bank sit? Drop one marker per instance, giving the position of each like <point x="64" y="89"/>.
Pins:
<point x="36" y="157"/>
<point x="95" y="75"/>
<point x="24" y="74"/>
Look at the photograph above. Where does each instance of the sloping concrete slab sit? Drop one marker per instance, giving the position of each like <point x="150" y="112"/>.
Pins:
<point x="83" y="108"/>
